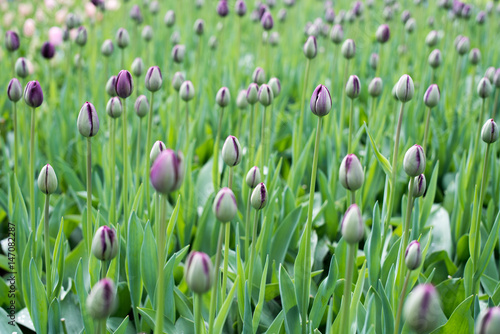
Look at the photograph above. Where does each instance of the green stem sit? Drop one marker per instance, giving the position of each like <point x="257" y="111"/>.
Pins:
<point x="308" y="231"/>
<point x="138" y="151"/>
<point x="122" y="59"/>
<point x="252" y="252"/>
<point x="251" y="138"/>
<point x="351" y="127"/>
<point x="215" y="288"/>
<point x="495" y="105"/>
<point x="247" y="226"/>
<point x="400" y="304"/>
<point x="198" y="317"/>
<point x="160" y="296"/>
<point x="15" y="140"/>
<point x="32" y="173"/>
<point x="112" y="167"/>
<point x="63" y="323"/>
<point x="148" y="147"/>
<point x="216" y="152"/>
<point x="89" y="195"/>
<point x="479" y="126"/>
<point x="227" y="240"/>
<point x="48" y="271"/>
<point x="406" y="229"/>
<point x="187" y="128"/>
<point x="353" y="196"/>
<point x="125" y="166"/>
<point x="101" y="326"/>
<point x="301" y="115"/>
<point x="345" y="321"/>
<point x="262" y="140"/>
<point x="426" y="133"/>
<point x="342" y="104"/>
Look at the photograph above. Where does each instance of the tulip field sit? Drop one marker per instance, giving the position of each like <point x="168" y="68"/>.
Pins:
<point x="249" y="166"/>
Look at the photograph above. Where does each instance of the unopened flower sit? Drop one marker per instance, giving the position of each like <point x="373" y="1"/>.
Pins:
<point x="414" y="161"/>
<point x="124" y="85"/>
<point x="137" y="67"/>
<point x="198" y="272"/>
<point x="405" y="88"/>
<point x="383" y="33"/>
<point x="489" y="321"/>
<point x="259" y="197"/>
<point x="114" y="107"/>
<point x="48" y="50"/>
<point x="178" y="53"/>
<point x="311" y="48"/>
<point x="105" y="243"/>
<point x="419" y="185"/>
<point x="489" y="132"/>
<point x="413" y="256"/>
<point x="223" y="97"/>
<point x="147" y="33"/>
<point x="154" y="79"/>
<point x="241" y="99"/>
<point x="177" y="80"/>
<point x="422" y="308"/>
<point x="141" y="106"/>
<point x="265" y="95"/>
<point x="474" y="56"/>
<point x="136" y="15"/>
<point x="484" y="88"/>
<point x="167" y="172"/>
<point x="199" y="27"/>
<point x="101" y="301"/>
<point x="259" y="76"/>
<point x="435" y="58"/>
<point x="373" y="62"/>
<point x="222" y="8"/>
<point x="186" y="91"/>
<point x="111" y="86"/>
<point x="157" y="148"/>
<point x="231" y="151"/>
<point x="33" y="94"/>
<point x="352" y="225"/>
<point x="253" y="177"/>
<point x="21" y="68"/>
<point x="432" y="96"/>
<point x="348" y="49"/>
<point x="253" y="93"/>
<point x="321" y="101"/>
<point x="81" y="36"/>
<point x="275" y="85"/>
<point x="351" y="174"/>
<point x="410" y="25"/>
<point x="337" y="34"/>
<point x="88" y="122"/>
<point x="169" y="18"/>
<point x="240" y="8"/>
<point x="11" y="41"/>
<point x="14" y="90"/>
<point x="107" y="48"/>
<point x="122" y="38"/>
<point x="225" y="207"/>
<point x="375" y="87"/>
<point x="432" y="38"/>
<point x="47" y="180"/>
<point x="463" y="45"/>
<point x="353" y="87"/>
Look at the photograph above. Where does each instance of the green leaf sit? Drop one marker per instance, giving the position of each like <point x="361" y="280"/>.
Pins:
<point x="149" y="266"/>
<point x="260" y="304"/>
<point x="283" y="235"/>
<point x="247" y="317"/>
<point x="460" y="321"/>
<point x="150" y="315"/>
<point x="133" y="263"/>
<point x="123" y="326"/>
<point x="323" y="295"/>
<point x="6" y="324"/>
<point x="386" y="166"/>
<point x="488" y="248"/>
<point x="289" y="302"/>
<point x="224" y="310"/>
<point x="39" y="304"/>
<point x="276" y="324"/>
<point x="82" y="298"/>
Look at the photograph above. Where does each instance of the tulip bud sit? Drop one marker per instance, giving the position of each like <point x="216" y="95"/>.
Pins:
<point x="466" y="11"/>
<point x="154" y="7"/>
<point x="175" y="38"/>
<point x="88" y="122"/>
<point x="231" y="151"/>
<point x="463" y="45"/>
<point x="212" y="42"/>
<point x="481" y="18"/>
<point x="137" y="67"/>
<point x="198" y="272"/>
<point x="432" y="96"/>
<point x="241" y="100"/>
<point x="136" y="15"/>
<point x="259" y="76"/>
<point x="199" y="3"/>
<point x="394" y="92"/>
<point x="435" y="58"/>
<point x="101" y="301"/>
<point x="405" y="88"/>
<point x="373" y="62"/>
<point x="310" y="48"/>
<point x="375" y="87"/>
<point x="178" y="53"/>
<point x="11" y="41"/>
<point x="158" y="147"/>
<point x="72" y="21"/>
<point x="240" y="8"/>
<point x="141" y="106"/>
<point x="267" y="21"/>
<point x="489" y="132"/>
<point x="329" y="15"/>
<point x="47" y="180"/>
<point x="432" y="38"/>
<point x="484" y="88"/>
<point x="474" y="56"/>
<point x="422" y="309"/>
<point x="199" y="27"/>
<point x="21" y="68"/>
<point x="253" y="93"/>
<point x="153" y="80"/>
<point x="167" y="172"/>
<point x="107" y="48"/>
<point x="490" y="74"/>
<point x="353" y="87"/>
<point x="177" y="80"/>
<point x="111" y="86"/>
<point x="33" y="94"/>
<point x="81" y="36"/>
<point x="124" y="85"/>
<point x="410" y="25"/>
<point x="351" y="174"/>
<point x="489" y="321"/>
<point x="105" y="243"/>
<point x="223" y="97"/>
<point x="321" y="101"/>
<point x="275" y="85"/>
<point x="169" y="18"/>
<point x="222" y="8"/>
<point x="419" y="185"/>
<point x="48" y="50"/>
<point x="348" y="49"/>
<point x="414" y="161"/>
<point x="259" y="197"/>
<point x="496" y="78"/>
<point x="225" y="207"/>
<point x="14" y="90"/>
<point x="147" y="33"/>
<point x="186" y="91"/>
<point x="383" y="33"/>
<point x="265" y="95"/>
<point x="413" y="256"/>
<point x="114" y="107"/>
<point x="122" y="38"/>
<point x="352" y="225"/>
<point x="337" y="34"/>
<point x="253" y="177"/>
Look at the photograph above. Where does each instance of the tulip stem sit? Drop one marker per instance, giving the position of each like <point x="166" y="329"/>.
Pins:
<point x="101" y="326"/>
<point x="301" y="115"/>
<point x="227" y="240"/>
<point x="345" y="321"/>
<point x="215" y="168"/>
<point x="495" y="105"/>
<point x="159" y="295"/>
<point x="125" y="166"/>
<point x="32" y="174"/>
<point x="400" y="304"/>
<point x="353" y="196"/>
<point x="308" y="231"/>
<point x="187" y="128"/>
<point x="148" y="161"/>
<point x="198" y="317"/>
<point x="89" y="194"/>
<point x="250" y="136"/>
<point x="48" y="271"/>
<point x="342" y="104"/>
<point x="351" y="128"/>
<point x="63" y="324"/>
<point x="262" y="140"/>
<point x="15" y="139"/>
<point x="247" y="226"/>
<point x="252" y="252"/>
<point x="479" y="126"/>
<point x="426" y="133"/>
<point x="138" y="151"/>
<point x="215" y="288"/>
<point x="112" y="167"/>
<point x="406" y="230"/>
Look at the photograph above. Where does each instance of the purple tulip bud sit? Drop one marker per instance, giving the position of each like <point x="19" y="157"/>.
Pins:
<point x="157" y="148"/>
<point x="105" y="243"/>
<point x="383" y="33"/>
<point x="261" y="10"/>
<point x="186" y="92"/>
<point x="337" y="34"/>
<point x="405" y="16"/>
<point x="199" y="27"/>
<point x="101" y="301"/>
<point x="351" y="174"/>
<point x="411" y="25"/>
<point x="231" y="151"/>
<point x="222" y="8"/>
<point x="357" y="9"/>
<point x="432" y="38"/>
<point x="419" y="185"/>
<point x="124" y="85"/>
<point x="275" y="85"/>
<point x="225" y="207"/>
<point x="122" y="38"/>
<point x="489" y="132"/>
<point x="414" y="161"/>
<point x="48" y="50"/>
<point x="432" y="96"/>
<point x="481" y="18"/>
<point x="267" y="21"/>
<point x="111" y="86"/>
<point x="253" y="177"/>
<point x="107" y="48"/>
<point x="167" y="172"/>
<point x="169" y="18"/>
<point x="310" y="47"/>
<point x="154" y="79"/>
<point x="88" y="122"/>
<point x="489" y="321"/>
<point x="321" y="101"/>
<point x="72" y="21"/>
<point x="47" y="180"/>
<point x="352" y="227"/>
<point x="178" y="52"/>
<point x="466" y="11"/>
<point x="422" y="308"/>
<point x="259" y="76"/>
<point x="353" y="87"/>
<point x="330" y="15"/>
<point x="141" y="106"/>
<point x="114" y="107"/>
<point x="240" y="8"/>
<point x="147" y="33"/>
<point x="21" y="67"/>
<point x="375" y="87"/>
<point x="241" y="99"/>
<point x="463" y="45"/>
<point x="136" y="15"/>
<point x="98" y="3"/>
<point x="405" y="88"/>
<point x="14" y="90"/>
<point x="259" y="197"/>
<point x="413" y="256"/>
<point x="11" y="41"/>
<point x="265" y="95"/>
<point x="177" y="80"/>
<point x="490" y="74"/>
<point x="435" y="58"/>
<point x="484" y="88"/>
<point x="282" y="15"/>
<point x="33" y="94"/>
<point x="496" y="78"/>
<point x="137" y="67"/>
<point x="198" y="272"/>
<point x="253" y="93"/>
<point x="223" y="97"/>
<point x="474" y="56"/>
<point x="81" y="36"/>
<point x="348" y="49"/>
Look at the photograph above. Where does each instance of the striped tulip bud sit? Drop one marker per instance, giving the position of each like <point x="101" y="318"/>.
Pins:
<point x="88" y="122"/>
<point x="253" y="177"/>
<point x="259" y="76"/>
<point x="154" y="79"/>
<point x="107" y="48"/>
<point x="422" y="308"/>
<point x="414" y="161"/>
<point x="222" y="8"/>
<point x="265" y="95"/>
<point x="375" y="87"/>
<point x="241" y="99"/>
<point x="231" y="151"/>
<point x="223" y="97"/>
<point x="275" y="85"/>
<point x="337" y="34"/>
<point x="348" y="49"/>
<point x="21" y="68"/>
<point x="496" y="78"/>
<point x="158" y="147"/>
<point x="199" y="27"/>
<point x="353" y="87"/>
<point x="178" y="53"/>
<point x="105" y="243"/>
<point x="101" y="301"/>
<point x="351" y="174"/>
<point x="186" y="91"/>
<point x="124" y="85"/>
<point x="169" y="18"/>
<point x="352" y="225"/>
<point x="14" y="90"/>
<point x="137" y="67"/>
<point x="72" y="21"/>
<point x="198" y="272"/>
<point x="47" y="180"/>
<point x="419" y="185"/>
<point x="489" y="132"/>
<point x="432" y="96"/>
<point x="274" y="38"/>
<point x="167" y="172"/>
<point x="147" y="33"/>
<point x="463" y="45"/>
<point x="388" y="14"/>
<point x="225" y="207"/>
<point x="114" y="107"/>
<point x="267" y="21"/>
<point x="81" y="36"/>
<point x="212" y="43"/>
<point x="259" y="197"/>
<point x="394" y="92"/>
<point x="405" y="89"/>
<point x="122" y="38"/>
<point x="311" y="47"/>
<point x="490" y="74"/>
<point x="253" y="93"/>
<point x="413" y="256"/>
<point x="48" y="50"/>
<point x="329" y="15"/>
<point x="474" y="56"/>
<point x="154" y="7"/>
<point x="489" y="321"/>
<point x="111" y="86"/>
<point x="383" y="33"/>
<point x="240" y="8"/>
<point x="435" y="58"/>
<point x="373" y="62"/>
<point x="175" y="38"/>
<point x="484" y="88"/>
<point x="141" y="106"/>
<point x="33" y="94"/>
<point x="11" y="41"/>
<point x="321" y="101"/>
<point x="177" y="81"/>
<point x="432" y="38"/>
<point x="136" y="15"/>
<point x="481" y="18"/>
<point x="411" y="25"/>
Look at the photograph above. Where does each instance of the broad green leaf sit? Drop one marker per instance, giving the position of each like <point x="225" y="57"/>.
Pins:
<point x="224" y="310"/>
<point x="133" y="263"/>
<point x="260" y="304"/>
<point x="460" y="321"/>
<point x="150" y="315"/>
<point x="39" y="304"/>
<point x="289" y="302"/>
<point x="386" y="166"/>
